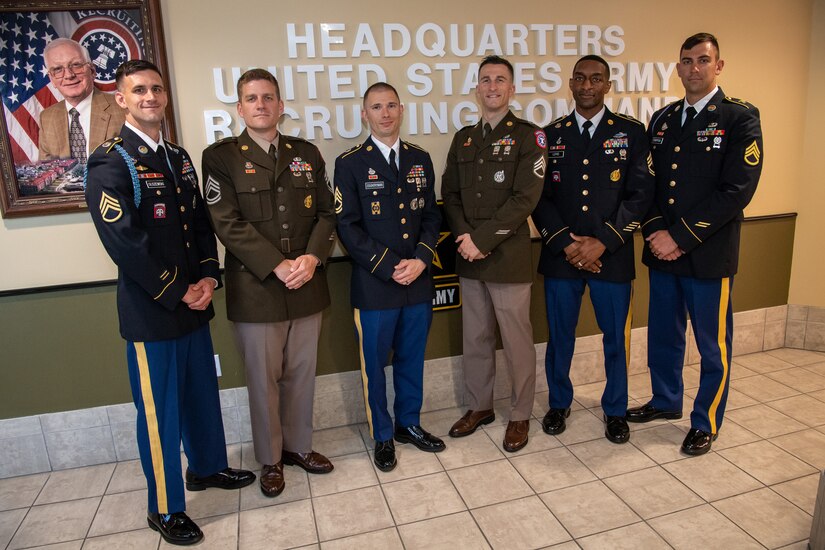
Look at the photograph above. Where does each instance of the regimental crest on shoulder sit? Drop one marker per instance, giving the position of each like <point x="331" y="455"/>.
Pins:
<point x="629" y="118"/>
<point x="752" y="154"/>
<point x="110" y="209"/>
<point x="108" y="145"/>
<point x="737" y="101"/>
<point x="212" y="191"/>
<point x="350" y="151"/>
<point x="414" y="146"/>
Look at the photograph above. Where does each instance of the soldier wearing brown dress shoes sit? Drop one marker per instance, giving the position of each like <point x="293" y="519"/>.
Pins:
<point x="271" y="206"/>
<point x="492" y="182"/>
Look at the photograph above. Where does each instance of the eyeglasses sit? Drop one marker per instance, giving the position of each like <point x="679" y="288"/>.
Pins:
<point x="76" y="68"/>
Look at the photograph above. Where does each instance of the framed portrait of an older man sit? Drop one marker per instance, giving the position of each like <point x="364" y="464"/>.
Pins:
<point x="58" y="61"/>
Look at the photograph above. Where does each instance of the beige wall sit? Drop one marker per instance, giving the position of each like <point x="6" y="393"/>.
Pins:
<point x="808" y="271"/>
<point x="63" y="249"/>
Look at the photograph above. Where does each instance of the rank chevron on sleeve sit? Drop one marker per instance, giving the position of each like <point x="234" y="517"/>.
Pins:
<point x="110" y="209"/>
<point x="752" y="154"/>
<point x="212" y="191"/>
<point x="539" y="166"/>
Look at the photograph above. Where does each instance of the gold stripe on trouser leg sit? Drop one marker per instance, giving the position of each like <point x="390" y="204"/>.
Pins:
<point x="155" y="447"/>
<point x="724" y="301"/>
<point x="627" y="324"/>
<point x="364" y="381"/>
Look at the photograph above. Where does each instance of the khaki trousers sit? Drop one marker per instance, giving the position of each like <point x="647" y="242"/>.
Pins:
<point x="483" y="305"/>
<point x="280" y="360"/>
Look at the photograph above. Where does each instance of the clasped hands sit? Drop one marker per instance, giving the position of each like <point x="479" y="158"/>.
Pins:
<point x="663" y="246"/>
<point x="584" y="253"/>
<point x="298" y="272"/>
<point x="199" y="295"/>
<point x="468" y="249"/>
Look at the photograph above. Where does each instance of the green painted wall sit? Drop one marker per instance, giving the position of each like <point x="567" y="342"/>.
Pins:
<point x="61" y="349"/>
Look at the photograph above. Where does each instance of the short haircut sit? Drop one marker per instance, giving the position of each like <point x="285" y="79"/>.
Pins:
<point x="380" y="87"/>
<point x="497" y="60"/>
<point x="597" y="59"/>
<point x="66" y="42"/>
<point x="699" y="38"/>
<point x="258" y="74"/>
<point x="133" y="66"/>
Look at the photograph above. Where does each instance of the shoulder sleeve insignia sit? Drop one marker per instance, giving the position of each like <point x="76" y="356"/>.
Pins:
<point x="212" y="191"/>
<point x="541" y="139"/>
<point x="339" y="201"/>
<point x="110" y="209"/>
<point x="752" y="154"/>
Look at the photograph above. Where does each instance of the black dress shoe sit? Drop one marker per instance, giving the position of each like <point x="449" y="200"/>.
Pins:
<point x="228" y="478"/>
<point x="697" y="442"/>
<point x="385" y="455"/>
<point x="648" y="412"/>
<point x="553" y="422"/>
<point x="175" y="528"/>
<point x="616" y="429"/>
<point x="419" y="437"/>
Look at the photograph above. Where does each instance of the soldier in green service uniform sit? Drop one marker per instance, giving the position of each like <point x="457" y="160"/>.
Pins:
<point x="271" y="206"/>
<point x="492" y="182"/>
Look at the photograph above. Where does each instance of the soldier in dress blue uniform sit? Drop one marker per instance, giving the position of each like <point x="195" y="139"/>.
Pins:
<point x="389" y="222"/>
<point x="707" y="154"/>
<point x="144" y="200"/>
<point x="598" y="185"/>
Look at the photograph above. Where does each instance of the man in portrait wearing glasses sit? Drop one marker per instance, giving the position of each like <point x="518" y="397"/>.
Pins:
<point x="86" y="117"/>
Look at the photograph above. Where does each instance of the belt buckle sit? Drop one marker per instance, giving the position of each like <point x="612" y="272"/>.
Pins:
<point x="285" y="248"/>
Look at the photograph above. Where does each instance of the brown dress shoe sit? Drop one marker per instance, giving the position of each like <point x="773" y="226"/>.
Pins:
<point x="272" y="479"/>
<point x="312" y="462"/>
<point x="515" y="437"/>
<point x="470" y="422"/>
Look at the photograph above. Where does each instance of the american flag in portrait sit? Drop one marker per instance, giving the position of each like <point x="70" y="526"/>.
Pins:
<point x="110" y="36"/>
<point x="25" y="87"/>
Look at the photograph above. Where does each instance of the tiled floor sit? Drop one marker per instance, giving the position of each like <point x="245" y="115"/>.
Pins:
<point x="755" y="490"/>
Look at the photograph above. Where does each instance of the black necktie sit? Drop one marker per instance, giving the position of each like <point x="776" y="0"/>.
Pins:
<point x="161" y="152"/>
<point x="586" y="132"/>
<point x="393" y="165"/>
<point x="690" y="112"/>
<point x="273" y="152"/>
<point x="485" y="131"/>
